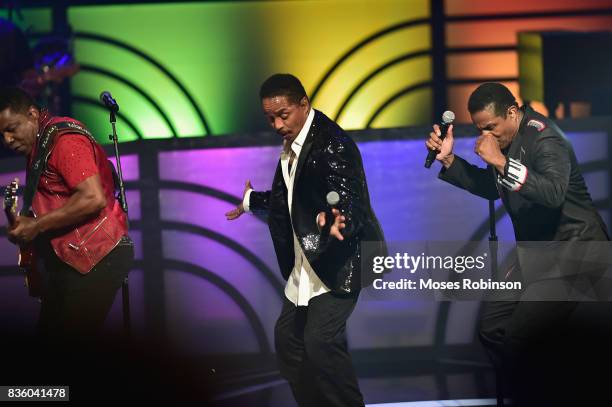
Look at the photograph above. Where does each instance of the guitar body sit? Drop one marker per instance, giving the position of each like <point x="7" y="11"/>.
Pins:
<point x="28" y="259"/>
<point x="28" y="263"/>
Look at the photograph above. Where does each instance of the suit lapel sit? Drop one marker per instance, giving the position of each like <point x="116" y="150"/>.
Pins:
<point x="515" y="147"/>
<point x="305" y="151"/>
<point x="517" y="143"/>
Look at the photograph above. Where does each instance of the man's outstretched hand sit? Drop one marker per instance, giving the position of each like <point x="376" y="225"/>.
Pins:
<point x="335" y="228"/>
<point x="239" y="210"/>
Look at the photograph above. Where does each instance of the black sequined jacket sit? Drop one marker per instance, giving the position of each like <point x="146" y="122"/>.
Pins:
<point x="329" y="161"/>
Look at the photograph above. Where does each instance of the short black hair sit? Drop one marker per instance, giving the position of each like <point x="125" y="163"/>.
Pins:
<point x="283" y="84"/>
<point x="492" y="93"/>
<point x="18" y="100"/>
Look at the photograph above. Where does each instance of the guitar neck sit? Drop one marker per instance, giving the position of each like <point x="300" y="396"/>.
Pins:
<point x="10" y="201"/>
<point x="10" y="216"/>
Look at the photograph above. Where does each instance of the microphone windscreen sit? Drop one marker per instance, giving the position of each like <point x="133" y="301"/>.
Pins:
<point x="448" y="117"/>
<point x="333" y="198"/>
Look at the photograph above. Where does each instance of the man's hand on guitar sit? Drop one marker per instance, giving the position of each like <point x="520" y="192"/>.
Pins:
<point x="24" y="230"/>
<point x="239" y="210"/>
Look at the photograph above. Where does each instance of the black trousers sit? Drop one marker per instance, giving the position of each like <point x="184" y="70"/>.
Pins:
<point x="550" y="353"/>
<point x="312" y="351"/>
<point x="74" y="305"/>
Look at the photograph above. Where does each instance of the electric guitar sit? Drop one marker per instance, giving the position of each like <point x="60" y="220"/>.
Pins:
<point x="27" y="256"/>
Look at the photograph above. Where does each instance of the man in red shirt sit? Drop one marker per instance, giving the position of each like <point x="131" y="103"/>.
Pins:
<point x="78" y="227"/>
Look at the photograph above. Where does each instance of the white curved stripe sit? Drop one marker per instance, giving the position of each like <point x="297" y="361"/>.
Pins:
<point x="439" y="403"/>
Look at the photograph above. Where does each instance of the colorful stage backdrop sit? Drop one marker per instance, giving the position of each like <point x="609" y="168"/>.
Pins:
<point x="213" y="286"/>
<point x="193" y="69"/>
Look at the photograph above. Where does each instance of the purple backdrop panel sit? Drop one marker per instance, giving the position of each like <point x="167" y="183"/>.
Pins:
<point x="136" y="236"/>
<point x="589" y="146"/>
<point x="593" y="146"/>
<point x="223" y="169"/>
<point x="209" y="322"/>
<point x="410" y="201"/>
<point x="208" y="212"/>
<point x="129" y="166"/>
<point x="230" y="267"/>
<point x="8" y="253"/>
<point x="598" y="184"/>
<point x="131" y="172"/>
<point x="133" y="200"/>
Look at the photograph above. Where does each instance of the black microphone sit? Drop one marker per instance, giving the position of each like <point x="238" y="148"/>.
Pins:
<point x="108" y="101"/>
<point x="447" y="120"/>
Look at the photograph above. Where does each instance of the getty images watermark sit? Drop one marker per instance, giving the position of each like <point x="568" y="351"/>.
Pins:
<point x="457" y="264"/>
<point x="500" y="271"/>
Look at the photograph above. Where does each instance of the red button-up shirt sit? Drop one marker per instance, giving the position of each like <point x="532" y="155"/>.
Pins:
<point x="74" y="158"/>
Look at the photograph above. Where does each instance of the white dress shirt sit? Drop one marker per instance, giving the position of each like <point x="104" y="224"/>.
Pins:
<point x="303" y="283"/>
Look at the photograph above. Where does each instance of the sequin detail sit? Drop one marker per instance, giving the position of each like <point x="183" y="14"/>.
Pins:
<point x="310" y="242"/>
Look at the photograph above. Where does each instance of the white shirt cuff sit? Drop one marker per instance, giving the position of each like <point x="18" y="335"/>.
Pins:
<point x="246" y="200"/>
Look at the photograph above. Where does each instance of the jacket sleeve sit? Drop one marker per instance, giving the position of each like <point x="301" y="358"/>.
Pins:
<point x="478" y="181"/>
<point x="259" y="202"/>
<point x="546" y="180"/>
<point x="345" y="175"/>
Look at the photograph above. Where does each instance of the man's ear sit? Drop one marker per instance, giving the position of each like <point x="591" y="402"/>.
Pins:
<point x="513" y="112"/>
<point x="33" y="113"/>
<point x="304" y="102"/>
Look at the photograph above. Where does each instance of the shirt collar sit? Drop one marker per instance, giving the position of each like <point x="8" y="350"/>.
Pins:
<point x="297" y="144"/>
<point x="44" y="117"/>
<point x="523" y="110"/>
<point x="299" y="140"/>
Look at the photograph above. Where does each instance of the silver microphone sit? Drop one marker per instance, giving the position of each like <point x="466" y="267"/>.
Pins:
<point x="447" y="119"/>
<point x="332" y="198"/>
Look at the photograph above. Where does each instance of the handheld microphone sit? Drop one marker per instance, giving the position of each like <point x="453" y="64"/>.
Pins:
<point x="447" y="120"/>
<point x="107" y="99"/>
<point x="332" y="199"/>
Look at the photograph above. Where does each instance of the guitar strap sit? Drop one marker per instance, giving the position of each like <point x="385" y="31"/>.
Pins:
<point x="42" y="156"/>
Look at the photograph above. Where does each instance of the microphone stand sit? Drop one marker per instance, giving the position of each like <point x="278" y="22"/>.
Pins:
<point x="493" y="245"/>
<point x="125" y="291"/>
<point x="492" y="239"/>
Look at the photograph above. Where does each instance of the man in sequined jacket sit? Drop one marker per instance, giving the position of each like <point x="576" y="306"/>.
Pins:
<point x="320" y="257"/>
